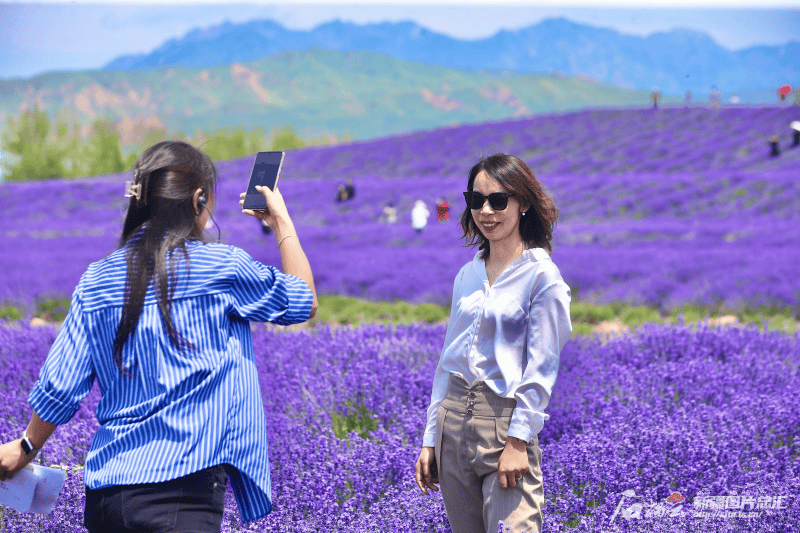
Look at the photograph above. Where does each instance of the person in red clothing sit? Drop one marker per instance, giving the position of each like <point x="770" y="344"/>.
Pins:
<point x="443" y="210"/>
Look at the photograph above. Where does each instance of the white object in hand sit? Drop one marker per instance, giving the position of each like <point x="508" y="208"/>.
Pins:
<point x="33" y="489"/>
<point x="18" y="491"/>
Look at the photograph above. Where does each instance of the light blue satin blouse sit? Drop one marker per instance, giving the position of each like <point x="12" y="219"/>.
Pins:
<point x="509" y="335"/>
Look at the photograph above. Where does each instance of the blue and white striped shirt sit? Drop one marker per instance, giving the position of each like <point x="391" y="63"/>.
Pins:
<point x="181" y="412"/>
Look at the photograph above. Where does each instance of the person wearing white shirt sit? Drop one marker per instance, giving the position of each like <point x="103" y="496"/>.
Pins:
<point x="419" y="216"/>
<point x="509" y="321"/>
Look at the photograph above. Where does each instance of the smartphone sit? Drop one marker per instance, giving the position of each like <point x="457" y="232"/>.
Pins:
<point x="266" y="169"/>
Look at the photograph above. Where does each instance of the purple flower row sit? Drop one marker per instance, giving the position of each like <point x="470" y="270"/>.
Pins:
<point x="702" y="413"/>
<point x="724" y="239"/>
<point x="585" y="142"/>
<point x="697" y="229"/>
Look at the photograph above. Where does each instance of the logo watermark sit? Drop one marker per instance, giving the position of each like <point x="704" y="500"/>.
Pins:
<point x="734" y="506"/>
<point x="672" y="506"/>
<point x="704" y="507"/>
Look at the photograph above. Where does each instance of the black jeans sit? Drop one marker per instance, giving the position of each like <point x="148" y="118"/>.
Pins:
<point x="189" y="504"/>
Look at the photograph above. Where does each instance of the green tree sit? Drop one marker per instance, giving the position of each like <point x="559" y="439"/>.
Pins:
<point x="152" y="137"/>
<point x="227" y="144"/>
<point x="156" y="136"/>
<point x="103" y="152"/>
<point x="38" y="150"/>
<point x="287" y="139"/>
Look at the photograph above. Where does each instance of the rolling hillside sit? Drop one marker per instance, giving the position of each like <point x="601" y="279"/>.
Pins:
<point x="364" y="94"/>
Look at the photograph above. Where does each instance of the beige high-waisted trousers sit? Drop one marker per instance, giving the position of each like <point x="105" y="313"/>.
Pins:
<point x="470" y="436"/>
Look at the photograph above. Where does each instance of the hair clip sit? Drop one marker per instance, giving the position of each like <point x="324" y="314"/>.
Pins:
<point x="133" y="189"/>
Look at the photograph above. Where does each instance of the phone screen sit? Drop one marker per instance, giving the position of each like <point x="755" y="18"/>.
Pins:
<point x="266" y="169"/>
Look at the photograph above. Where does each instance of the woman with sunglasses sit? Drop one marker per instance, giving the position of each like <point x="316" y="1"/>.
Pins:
<point x="509" y="320"/>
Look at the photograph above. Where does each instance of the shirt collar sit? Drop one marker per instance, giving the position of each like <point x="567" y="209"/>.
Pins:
<point x="531" y="254"/>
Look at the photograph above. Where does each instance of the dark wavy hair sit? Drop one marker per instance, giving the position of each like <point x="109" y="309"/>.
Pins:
<point x="156" y="225"/>
<point x="536" y="227"/>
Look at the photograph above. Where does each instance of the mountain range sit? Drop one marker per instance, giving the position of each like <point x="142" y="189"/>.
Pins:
<point x="673" y="61"/>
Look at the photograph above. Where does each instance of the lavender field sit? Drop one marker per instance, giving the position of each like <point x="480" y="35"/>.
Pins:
<point x="671" y="428"/>
<point x="658" y="207"/>
<point x="707" y="414"/>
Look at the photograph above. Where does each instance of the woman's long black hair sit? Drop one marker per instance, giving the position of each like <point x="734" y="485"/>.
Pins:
<point x="159" y="222"/>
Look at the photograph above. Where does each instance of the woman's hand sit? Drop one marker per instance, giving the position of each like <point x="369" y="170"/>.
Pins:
<point x="277" y="212"/>
<point x="426" y="478"/>
<point x="12" y="459"/>
<point x="293" y="259"/>
<point x="513" y="463"/>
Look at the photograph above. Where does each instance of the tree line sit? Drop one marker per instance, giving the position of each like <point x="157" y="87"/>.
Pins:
<point x="36" y="147"/>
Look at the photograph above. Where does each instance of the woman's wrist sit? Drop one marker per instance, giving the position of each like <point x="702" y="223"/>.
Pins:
<point x="284" y="238"/>
<point x="516" y="443"/>
<point x="284" y="228"/>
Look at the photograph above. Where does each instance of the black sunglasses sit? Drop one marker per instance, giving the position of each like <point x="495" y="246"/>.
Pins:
<point x="498" y="200"/>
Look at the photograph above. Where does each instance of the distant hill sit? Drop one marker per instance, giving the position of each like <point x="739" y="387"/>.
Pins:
<point x="317" y="91"/>
<point x="674" y="61"/>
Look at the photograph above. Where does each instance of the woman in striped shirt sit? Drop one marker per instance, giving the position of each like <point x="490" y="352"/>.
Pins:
<point x="163" y="324"/>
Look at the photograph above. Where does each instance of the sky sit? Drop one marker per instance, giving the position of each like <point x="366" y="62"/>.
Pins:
<point x="76" y="35"/>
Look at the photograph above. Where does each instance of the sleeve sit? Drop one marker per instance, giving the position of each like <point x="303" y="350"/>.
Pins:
<point x="265" y="294"/>
<point x="440" y="377"/>
<point x="549" y="328"/>
<point x="68" y="373"/>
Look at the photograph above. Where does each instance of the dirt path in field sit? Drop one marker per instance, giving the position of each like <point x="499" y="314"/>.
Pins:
<point x="607" y="329"/>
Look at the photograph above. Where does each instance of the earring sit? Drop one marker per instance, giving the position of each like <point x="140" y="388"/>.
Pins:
<point x="523" y="213"/>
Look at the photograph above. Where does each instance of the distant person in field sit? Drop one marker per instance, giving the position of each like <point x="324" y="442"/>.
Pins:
<point x="341" y="193"/>
<point x="163" y="324"/>
<point x="509" y="321"/>
<point x="773" y="145"/>
<point x="795" y="125"/>
<point x="350" y="189"/>
<point x="419" y="216"/>
<point x="655" y="96"/>
<point x="442" y="210"/>
<point x="389" y="215"/>
<point x="783" y="92"/>
<point x="716" y="98"/>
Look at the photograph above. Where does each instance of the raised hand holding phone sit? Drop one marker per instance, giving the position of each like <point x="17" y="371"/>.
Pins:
<point x="266" y="171"/>
<point x="275" y="215"/>
<point x="262" y="196"/>
<point x="293" y="259"/>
